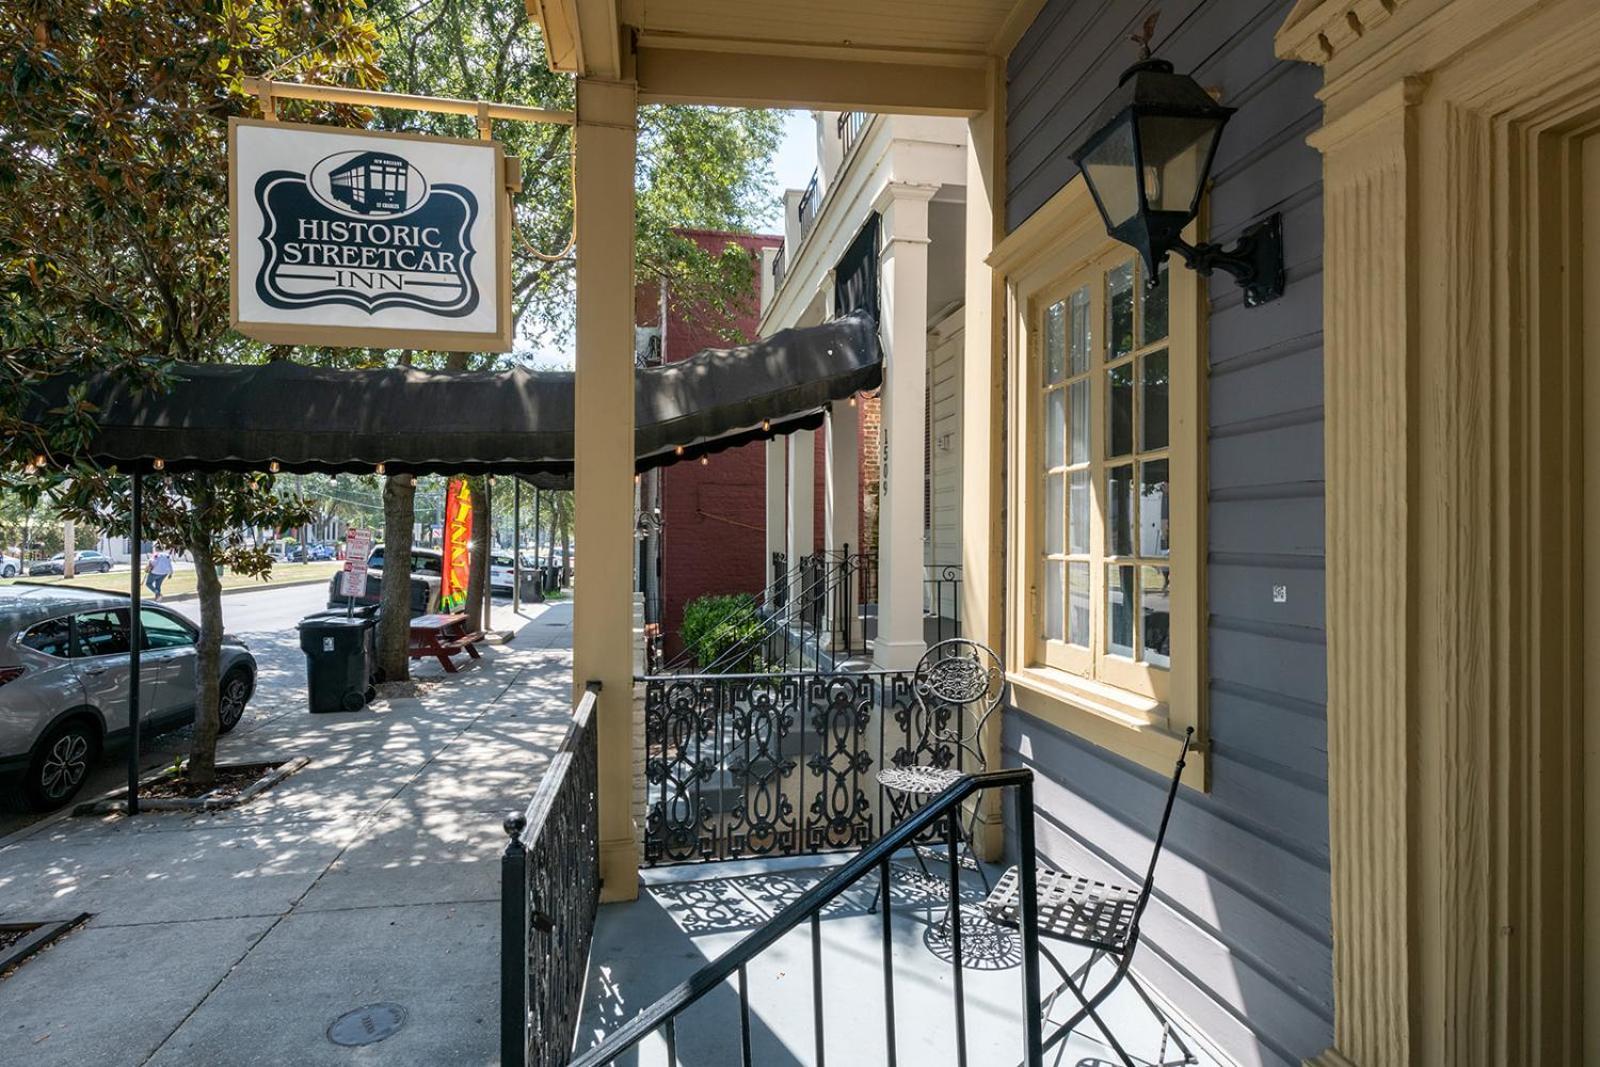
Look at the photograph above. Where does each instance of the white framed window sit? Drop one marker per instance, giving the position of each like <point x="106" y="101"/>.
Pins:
<point x="1105" y="484"/>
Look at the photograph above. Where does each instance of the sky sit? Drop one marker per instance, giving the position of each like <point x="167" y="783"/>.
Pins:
<point x="794" y="162"/>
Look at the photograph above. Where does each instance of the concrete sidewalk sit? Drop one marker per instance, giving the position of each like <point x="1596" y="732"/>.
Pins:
<point x="371" y="876"/>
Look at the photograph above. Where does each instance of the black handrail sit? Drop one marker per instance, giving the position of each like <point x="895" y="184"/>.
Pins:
<point x="549" y="895"/>
<point x="876" y="857"/>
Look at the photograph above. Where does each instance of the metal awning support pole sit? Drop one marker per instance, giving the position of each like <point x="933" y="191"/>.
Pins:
<point x="538" y="560"/>
<point x="488" y="553"/>
<point x="516" y="547"/>
<point x="135" y="640"/>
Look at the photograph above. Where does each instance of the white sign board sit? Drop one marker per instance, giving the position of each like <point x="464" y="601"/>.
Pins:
<point x="357" y="238"/>
<point x="357" y="546"/>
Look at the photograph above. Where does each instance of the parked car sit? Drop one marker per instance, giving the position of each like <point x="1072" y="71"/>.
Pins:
<point x="502" y="571"/>
<point x="427" y="573"/>
<point x="85" y="562"/>
<point x="64" y="683"/>
<point x="10" y="566"/>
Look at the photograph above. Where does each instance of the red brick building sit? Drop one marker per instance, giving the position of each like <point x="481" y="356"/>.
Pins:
<point x="711" y="537"/>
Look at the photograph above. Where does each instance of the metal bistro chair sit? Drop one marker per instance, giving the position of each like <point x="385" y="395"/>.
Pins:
<point x="962" y="674"/>
<point x="1102" y="918"/>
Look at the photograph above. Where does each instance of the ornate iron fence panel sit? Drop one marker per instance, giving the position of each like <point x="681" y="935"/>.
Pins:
<point x="782" y="764"/>
<point x="549" y="894"/>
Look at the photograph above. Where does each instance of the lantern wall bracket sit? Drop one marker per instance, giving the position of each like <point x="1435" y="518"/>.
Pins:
<point x="1255" y="261"/>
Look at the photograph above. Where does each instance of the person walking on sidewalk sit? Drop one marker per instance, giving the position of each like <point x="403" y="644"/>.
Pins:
<point x="156" y="570"/>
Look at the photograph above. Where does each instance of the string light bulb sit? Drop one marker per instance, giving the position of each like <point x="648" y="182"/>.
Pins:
<point x="678" y="451"/>
<point x="39" y="459"/>
<point x="158" y="464"/>
<point x="636" y="479"/>
<point x="379" y="468"/>
<point x="852" y="400"/>
<point x="766" y="425"/>
<point x="705" y="461"/>
<point x="272" y="467"/>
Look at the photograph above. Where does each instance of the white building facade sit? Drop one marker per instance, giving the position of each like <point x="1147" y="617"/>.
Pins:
<point x="881" y="226"/>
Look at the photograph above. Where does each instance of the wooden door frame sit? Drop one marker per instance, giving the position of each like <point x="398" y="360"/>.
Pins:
<point x="1452" y="363"/>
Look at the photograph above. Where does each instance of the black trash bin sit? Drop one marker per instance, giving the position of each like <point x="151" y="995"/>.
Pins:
<point x="340" y="656"/>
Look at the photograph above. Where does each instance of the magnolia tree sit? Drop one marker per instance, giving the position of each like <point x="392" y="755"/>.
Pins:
<point x="206" y="515"/>
<point x="113" y="242"/>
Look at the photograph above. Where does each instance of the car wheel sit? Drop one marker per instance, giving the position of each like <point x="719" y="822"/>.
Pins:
<point x="9" y="572"/>
<point x="61" y="763"/>
<point x="232" y="695"/>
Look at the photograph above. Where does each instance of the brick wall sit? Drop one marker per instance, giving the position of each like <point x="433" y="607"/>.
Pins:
<point x="713" y="517"/>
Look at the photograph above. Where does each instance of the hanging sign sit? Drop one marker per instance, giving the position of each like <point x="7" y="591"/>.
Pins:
<point x="359" y="238"/>
<point x="457" y="546"/>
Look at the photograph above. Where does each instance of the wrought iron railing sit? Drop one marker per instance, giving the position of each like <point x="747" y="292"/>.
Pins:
<point x="779" y="266"/>
<point x="942" y="600"/>
<point x="851" y="123"/>
<point x="939" y="818"/>
<point x="810" y="204"/>
<point x="549" y="893"/>
<point x="741" y="765"/>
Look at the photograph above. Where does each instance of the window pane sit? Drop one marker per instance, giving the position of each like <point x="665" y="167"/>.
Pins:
<point x="1119" y="610"/>
<point x="1080" y="422"/>
<point x="1155" y="510"/>
<point x="1078" y="512"/>
<point x="103" y="633"/>
<point x="1153" y="388"/>
<point x="1055" y="507"/>
<point x="1119" y="310"/>
<point x="1055" y="427"/>
<point x="1055" y="342"/>
<point x="1119" y="511"/>
<point x="162" y="631"/>
<point x="1155" y="594"/>
<point x="1053" y="599"/>
<point x="1080" y="336"/>
<point x="1153" y="303"/>
<point x="51" y="638"/>
<point x="1078" y="604"/>
<point x="1119" y="409"/>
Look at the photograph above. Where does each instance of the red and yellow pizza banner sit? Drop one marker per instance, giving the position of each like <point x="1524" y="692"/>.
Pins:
<point x="457" y="546"/>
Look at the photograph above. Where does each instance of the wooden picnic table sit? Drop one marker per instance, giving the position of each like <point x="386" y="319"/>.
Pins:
<point x="442" y="636"/>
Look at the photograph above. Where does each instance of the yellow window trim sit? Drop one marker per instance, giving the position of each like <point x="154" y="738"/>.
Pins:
<point x="1062" y="238"/>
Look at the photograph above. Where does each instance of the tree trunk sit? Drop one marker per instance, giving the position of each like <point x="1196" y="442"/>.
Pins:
<point x="208" y="653"/>
<point x="478" y="574"/>
<point x="394" y="623"/>
<point x="563" y="509"/>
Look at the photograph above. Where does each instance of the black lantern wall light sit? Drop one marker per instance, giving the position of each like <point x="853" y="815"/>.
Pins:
<point x="1146" y="160"/>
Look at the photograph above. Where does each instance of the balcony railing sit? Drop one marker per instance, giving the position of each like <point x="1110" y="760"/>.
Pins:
<point x="779" y="262"/>
<point x="810" y="204"/>
<point x="851" y="123"/>
<point x="549" y="894"/>
<point x="782" y="764"/>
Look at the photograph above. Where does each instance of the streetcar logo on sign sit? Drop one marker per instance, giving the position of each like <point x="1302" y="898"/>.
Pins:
<point x="367" y="238"/>
<point x="365" y="229"/>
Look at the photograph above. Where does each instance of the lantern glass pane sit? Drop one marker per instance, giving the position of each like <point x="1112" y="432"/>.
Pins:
<point x="1109" y="168"/>
<point x="1175" y="152"/>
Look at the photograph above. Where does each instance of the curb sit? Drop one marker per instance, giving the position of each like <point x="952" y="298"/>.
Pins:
<point x="176" y="597"/>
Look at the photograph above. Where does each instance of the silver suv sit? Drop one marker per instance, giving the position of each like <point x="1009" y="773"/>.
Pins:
<point x="64" y="683"/>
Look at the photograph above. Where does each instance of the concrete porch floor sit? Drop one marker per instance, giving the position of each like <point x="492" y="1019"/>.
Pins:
<point x="689" y="915"/>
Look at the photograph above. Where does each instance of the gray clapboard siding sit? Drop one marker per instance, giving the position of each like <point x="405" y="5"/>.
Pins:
<point x="1240" y="934"/>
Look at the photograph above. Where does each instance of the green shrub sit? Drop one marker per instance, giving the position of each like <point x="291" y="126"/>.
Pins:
<point x="715" y="625"/>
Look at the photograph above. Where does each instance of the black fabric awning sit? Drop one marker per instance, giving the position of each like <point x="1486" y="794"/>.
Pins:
<point x="244" y="417"/>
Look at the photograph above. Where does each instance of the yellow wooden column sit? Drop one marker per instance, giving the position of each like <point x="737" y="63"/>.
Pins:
<point x="603" y="452"/>
<point x="982" y="446"/>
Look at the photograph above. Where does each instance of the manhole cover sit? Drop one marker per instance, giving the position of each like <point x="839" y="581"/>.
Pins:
<point x="368" y="1025"/>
